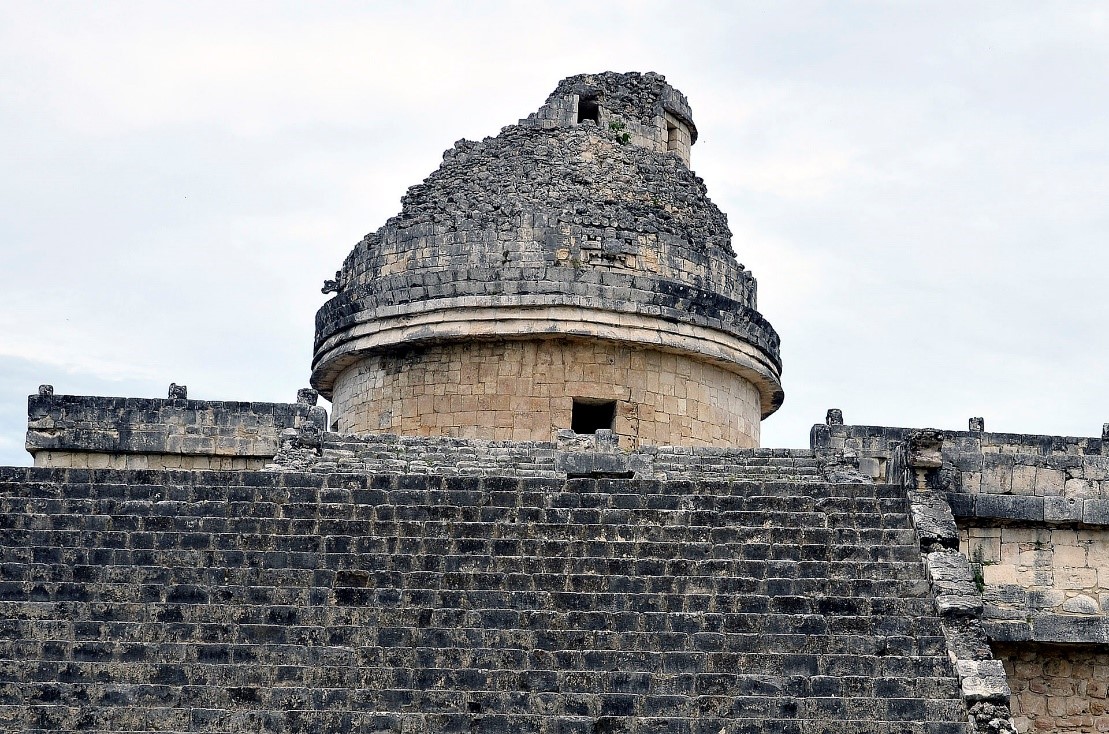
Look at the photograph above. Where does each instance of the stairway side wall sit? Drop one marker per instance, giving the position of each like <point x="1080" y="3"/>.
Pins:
<point x="1033" y="524"/>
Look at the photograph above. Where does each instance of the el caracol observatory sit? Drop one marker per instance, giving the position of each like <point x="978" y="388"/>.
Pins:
<point x="541" y="507"/>
<point x="569" y="273"/>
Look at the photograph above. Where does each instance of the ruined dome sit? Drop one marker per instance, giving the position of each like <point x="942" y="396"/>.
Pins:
<point x="577" y="236"/>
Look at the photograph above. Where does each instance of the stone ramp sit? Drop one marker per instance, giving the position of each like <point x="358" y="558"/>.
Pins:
<point x="269" y="602"/>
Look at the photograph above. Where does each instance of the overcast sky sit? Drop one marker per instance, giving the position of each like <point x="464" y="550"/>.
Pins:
<point x="922" y="190"/>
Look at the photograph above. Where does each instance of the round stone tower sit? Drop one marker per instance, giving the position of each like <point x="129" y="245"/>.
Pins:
<point x="569" y="273"/>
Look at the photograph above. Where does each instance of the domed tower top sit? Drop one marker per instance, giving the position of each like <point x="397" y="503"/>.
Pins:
<point x="570" y="272"/>
<point x="644" y="107"/>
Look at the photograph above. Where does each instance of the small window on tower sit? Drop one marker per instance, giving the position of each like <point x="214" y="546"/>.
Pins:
<point x="588" y="109"/>
<point x="673" y="140"/>
<point x="590" y="416"/>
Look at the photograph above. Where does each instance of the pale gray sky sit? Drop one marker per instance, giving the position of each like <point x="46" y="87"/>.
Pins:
<point x="922" y="190"/>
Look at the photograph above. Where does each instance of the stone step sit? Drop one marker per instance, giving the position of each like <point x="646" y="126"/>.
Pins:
<point x="199" y="501"/>
<point x="891" y="617"/>
<point x="661" y="652"/>
<point x="501" y="555"/>
<point x="730" y="511"/>
<point x="31" y="620"/>
<point x="478" y="627"/>
<point x="523" y="692"/>
<point x="681" y="596"/>
<point x="250" y="485"/>
<point x="491" y="680"/>
<point x="178" y="721"/>
<point x="699" y="529"/>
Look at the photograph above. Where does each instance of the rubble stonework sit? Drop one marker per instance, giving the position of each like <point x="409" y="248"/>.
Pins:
<point x="554" y="229"/>
<point x="1058" y="689"/>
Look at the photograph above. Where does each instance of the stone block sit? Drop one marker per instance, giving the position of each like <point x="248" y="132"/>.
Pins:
<point x="1080" y="489"/>
<point x="870" y="467"/>
<point x="1095" y="512"/>
<point x="933" y="519"/>
<point x="1009" y="507"/>
<point x="1045" y="598"/>
<point x="1024" y="478"/>
<point x="1038" y="558"/>
<point x="985" y="550"/>
<point x="1050" y="482"/>
<point x="1058" y="628"/>
<point x="1007" y="630"/>
<point x="1081" y="604"/>
<point x="1068" y="556"/>
<point x="1062" y="509"/>
<point x="1000" y="574"/>
<point x="962" y="504"/>
<point x="983" y="680"/>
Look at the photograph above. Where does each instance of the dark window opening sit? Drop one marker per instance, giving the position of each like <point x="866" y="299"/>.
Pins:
<point x="590" y="416"/>
<point x="673" y="142"/>
<point x="588" y="109"/>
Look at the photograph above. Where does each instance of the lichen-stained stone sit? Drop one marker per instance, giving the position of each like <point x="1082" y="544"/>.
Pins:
<point x="584" y="225"/>
<point x="294" y="602"/>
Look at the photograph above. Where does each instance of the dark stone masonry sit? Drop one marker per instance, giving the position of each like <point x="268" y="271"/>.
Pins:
<point x="540" y="505"/>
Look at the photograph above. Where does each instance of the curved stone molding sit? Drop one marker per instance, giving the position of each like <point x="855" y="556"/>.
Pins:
<point x="462" y="324"/>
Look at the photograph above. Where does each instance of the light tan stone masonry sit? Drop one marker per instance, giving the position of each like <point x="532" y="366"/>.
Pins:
<point x="524" y="390"/>
<point x="96" y="460"/>
<point x="1057" y="688"/>
<point x="1066" y="571"/>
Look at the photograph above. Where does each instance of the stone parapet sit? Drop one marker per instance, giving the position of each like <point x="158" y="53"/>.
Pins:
<point x="85" y="431"/>
<point x="1029" y="577"/>
<point x="986" y="463"/>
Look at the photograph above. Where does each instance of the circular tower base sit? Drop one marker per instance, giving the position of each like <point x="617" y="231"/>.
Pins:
<point x="527" y="390"/>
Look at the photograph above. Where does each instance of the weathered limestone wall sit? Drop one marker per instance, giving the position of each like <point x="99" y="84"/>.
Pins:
<point x="524" y="390"/>
<point x="100" y="460"/>
<point x="1034" y="569"/>
<point x="1057" y="689"/>
<point x="83" y="431"/>
<point x="987" y="463"/>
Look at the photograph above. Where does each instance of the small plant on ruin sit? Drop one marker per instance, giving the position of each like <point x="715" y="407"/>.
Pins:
<point x="976" y="564"/>
<point x="979" y="578"/>
<point x="623" y="137"/>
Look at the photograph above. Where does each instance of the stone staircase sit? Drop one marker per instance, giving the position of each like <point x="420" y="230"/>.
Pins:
<point x="307" y="602"/>
<point x="572" y="455"/>
<point x="760" y="465"/>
